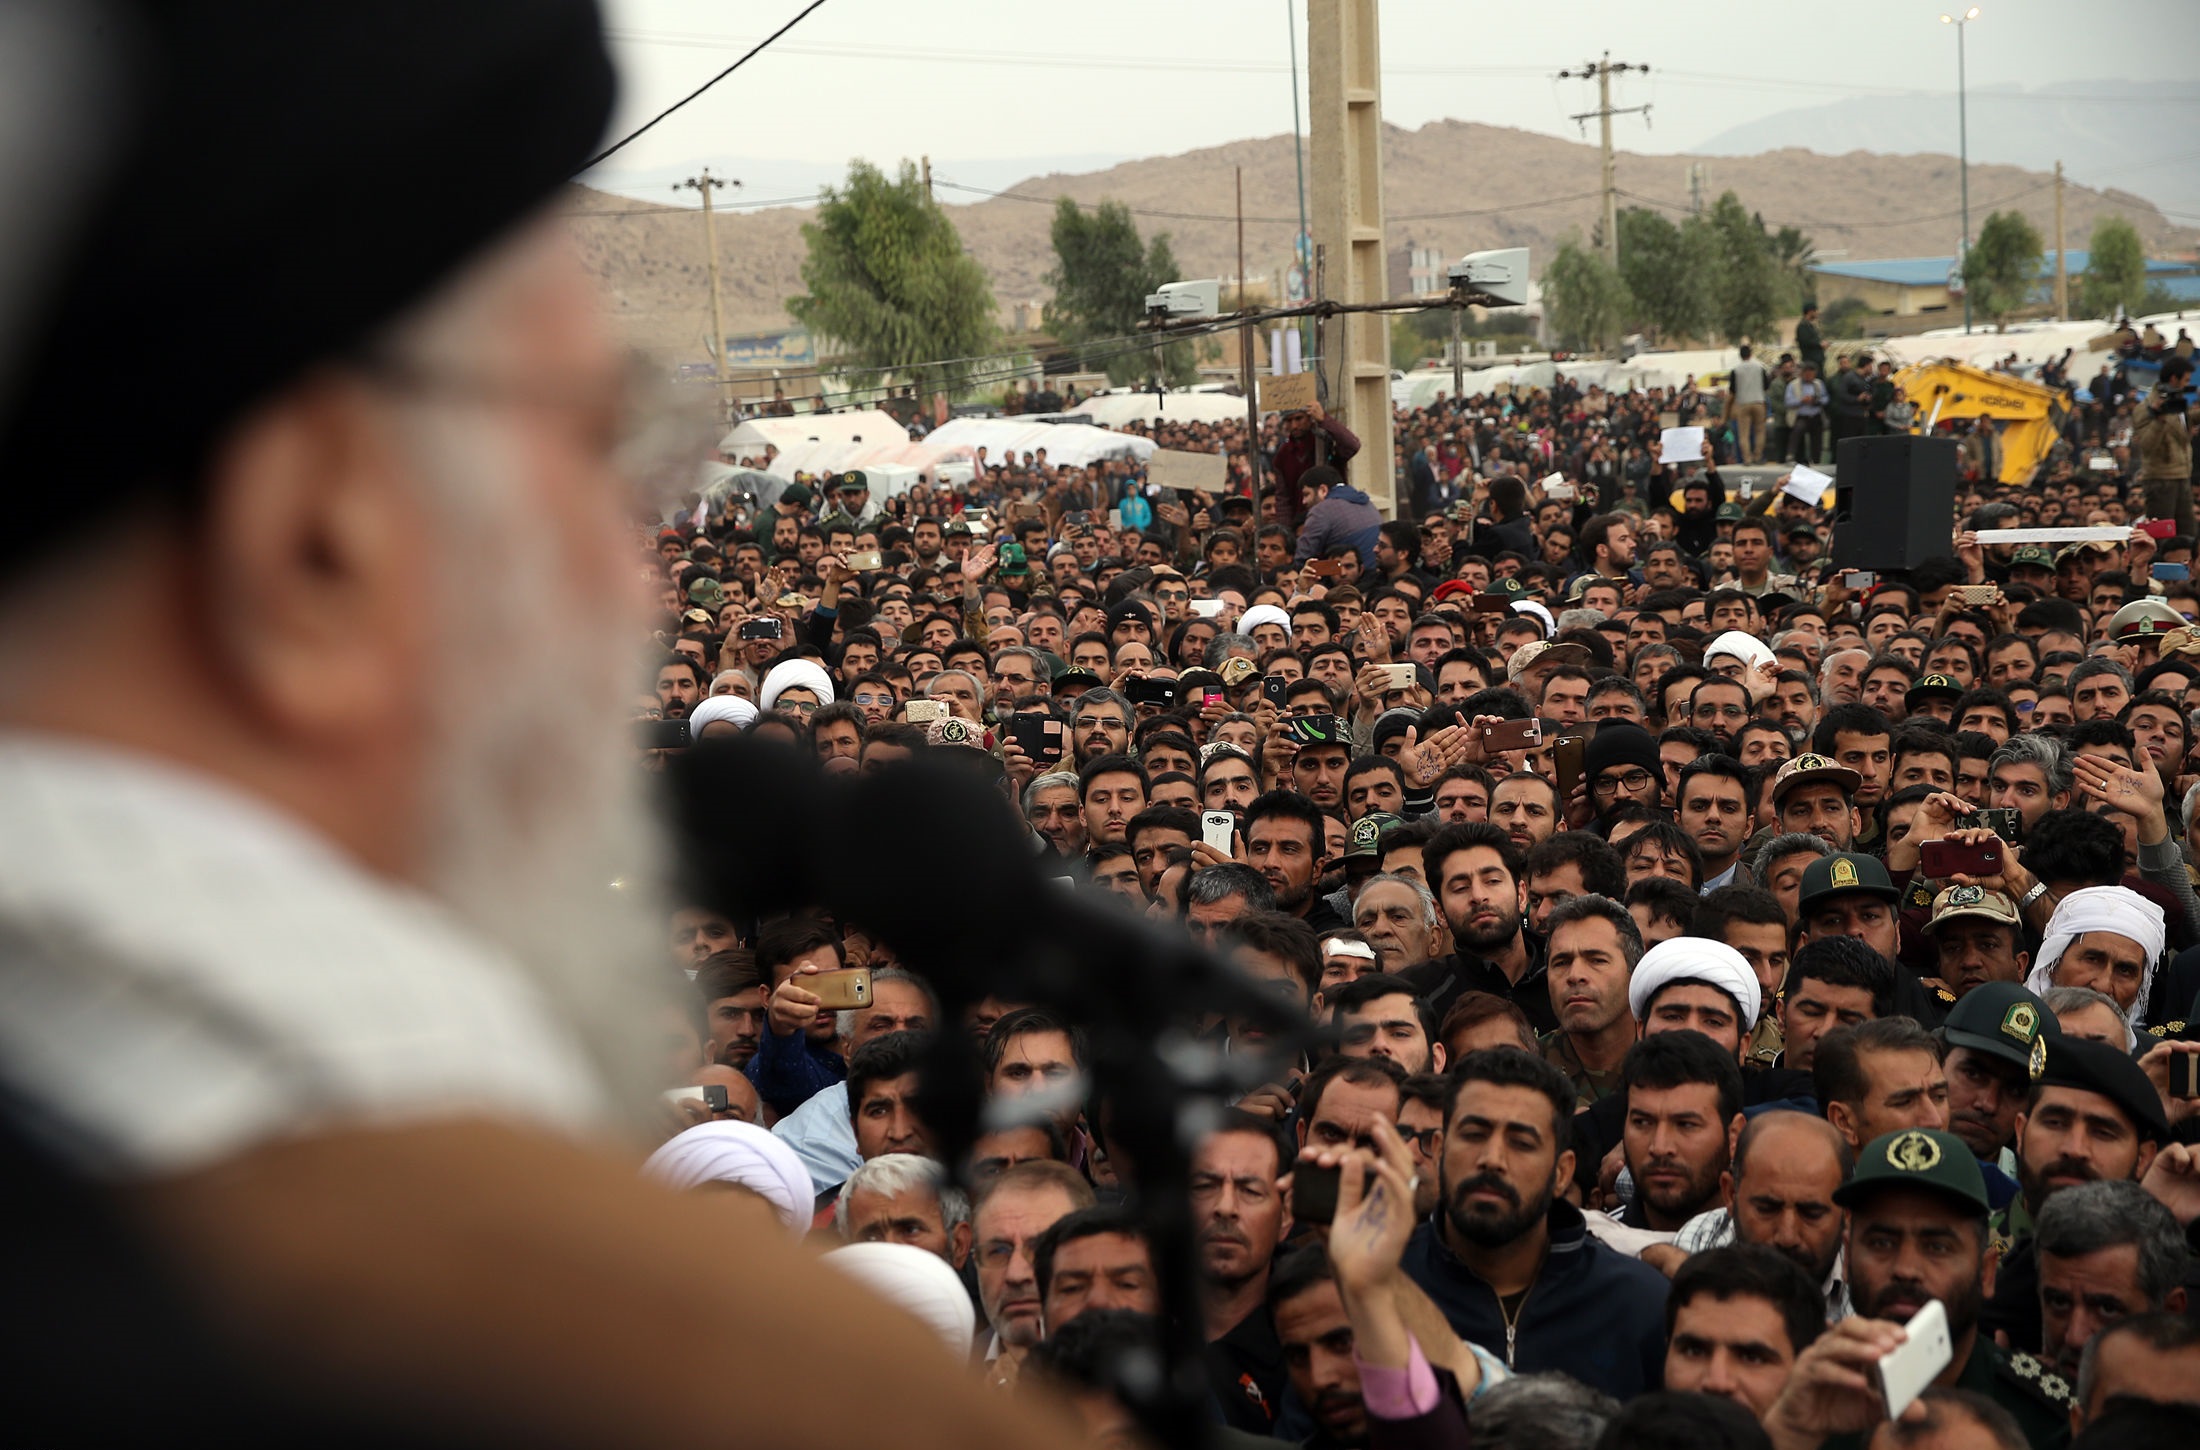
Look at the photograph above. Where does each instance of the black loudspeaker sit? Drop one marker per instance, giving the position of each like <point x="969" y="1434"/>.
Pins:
<point x="1895" y="501"/>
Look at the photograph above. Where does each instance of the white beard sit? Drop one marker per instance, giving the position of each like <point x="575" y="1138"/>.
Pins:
<point x="538" y="808"/>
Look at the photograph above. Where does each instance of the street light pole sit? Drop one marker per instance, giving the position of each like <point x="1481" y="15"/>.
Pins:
<point x="1963" y="148"/>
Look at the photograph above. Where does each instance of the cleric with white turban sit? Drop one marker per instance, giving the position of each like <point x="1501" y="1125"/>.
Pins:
<point x="745" y="1156"/>
<point x="1261" y="614"/>
<point x="918" y="1281"/>
<point x="2115" y="910"/>
<point x="730" y="709"/>
<point x="797" y="674"/>
<point x="1694" y="959"/>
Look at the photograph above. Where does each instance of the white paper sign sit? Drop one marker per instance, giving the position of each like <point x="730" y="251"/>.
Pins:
<point x="1175" y="468"/>
<point x="1680" y="445"/>
<point x="2104" y="534"/>
<point x="1807" y="484"/>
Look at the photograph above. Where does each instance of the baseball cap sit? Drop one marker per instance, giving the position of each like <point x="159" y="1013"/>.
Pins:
<point x="797" y="494"/>
<point x="1729" y="513"/>
<point x="2001" y="1019"/>
<point x="1975" y="902"/>
<point x="1810" y="769"/>
<point x="1844" y="873"/>
<point x="1367" y="835"/>
<point x="1931" y="686"/>
<point x="1932" y="1159"/>
<point x="2035" y="556"/>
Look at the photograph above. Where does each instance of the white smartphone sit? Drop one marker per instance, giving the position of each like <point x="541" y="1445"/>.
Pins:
<point x="1905" y="1372"/>
<point x="1400" y="677"/>
<point x="1206" y="608"/>
<point x="1216" y="829"/>
<point x="924" y="712"/>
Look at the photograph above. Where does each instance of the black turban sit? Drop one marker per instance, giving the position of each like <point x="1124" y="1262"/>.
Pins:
<point x="289" y="177"/>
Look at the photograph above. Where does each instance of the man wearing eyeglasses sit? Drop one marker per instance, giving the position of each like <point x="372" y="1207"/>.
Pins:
<point x="1721" y="706"/>
<point x="1622" y="768"/>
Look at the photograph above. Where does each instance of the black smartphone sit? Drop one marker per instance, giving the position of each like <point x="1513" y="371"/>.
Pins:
<point x="2004" y="822"/>
<point x="1312" y="729"/>
<point x="1033" y="735"/>
<point x="1274" y="687"/>
<point x="1314" y="1193"/>
<point x="769" y="626"/>
<point x="661" y="734"/>
<point x="1150" y="692"/>
<point x="714" y="1098"/>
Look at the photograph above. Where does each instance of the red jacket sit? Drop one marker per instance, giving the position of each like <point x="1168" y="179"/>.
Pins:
<point x="1329" y="442"/>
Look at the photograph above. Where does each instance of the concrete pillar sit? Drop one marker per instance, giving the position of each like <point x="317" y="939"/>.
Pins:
<point x="1344" y="85"/>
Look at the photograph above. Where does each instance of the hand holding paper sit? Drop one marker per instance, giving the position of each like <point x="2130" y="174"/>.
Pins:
<point x="1680" y="445"/>
<point x="1807" y="484"/>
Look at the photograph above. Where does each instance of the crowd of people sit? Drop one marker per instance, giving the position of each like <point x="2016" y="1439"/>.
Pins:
<point x="1683" y="993"/>
<point x="1713" y="956"/>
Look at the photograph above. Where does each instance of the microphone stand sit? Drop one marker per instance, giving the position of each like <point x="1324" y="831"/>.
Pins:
<point x="937" y="865"/>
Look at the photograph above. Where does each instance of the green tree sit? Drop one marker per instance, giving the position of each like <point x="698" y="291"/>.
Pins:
<point x="1749" y="290"/>
<point x="2003" y="268"/>
<point x="889" y="282"/>
<point x="1585" y="302"/>
<point x="1101" y="278"/>
<point x="1670" y="272"/>
<point x="1793" y="251"/>
<point x="2115" y="268"/>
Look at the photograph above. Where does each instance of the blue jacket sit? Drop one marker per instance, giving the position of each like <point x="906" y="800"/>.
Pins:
<point x="788" y="1071"/>
<point x="1344" y="516"/>
<point x="1592" y="1312"/>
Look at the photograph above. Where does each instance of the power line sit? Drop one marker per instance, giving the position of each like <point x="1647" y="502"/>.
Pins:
<point x="1194" y="216"/>
<point x="751" y="54"/>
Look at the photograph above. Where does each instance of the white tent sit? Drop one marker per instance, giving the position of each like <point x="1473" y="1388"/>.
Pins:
<point x="1115" y="410"/>
<point x="820" y="442"/>
<point x="1076" y="443"/>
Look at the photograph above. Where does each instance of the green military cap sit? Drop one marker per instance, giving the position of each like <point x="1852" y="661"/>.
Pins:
<point x="2097" y="1067"/>
<point x="797" y="494"/>
<point x="1507" y="587"/>
<point x="1075" y="675"/>
<point x="1932" y="1159"/>
<point x="854" y="478"/>
<point x="1367" y="834"/>
<point x="1931" y="685"/>
<point x="2034" y="556"/>
<point x="708" y="593"/>
<point x="2001" y="1019"/>
<point x="1841" y="874"/>
<point x="1729" y="513"/>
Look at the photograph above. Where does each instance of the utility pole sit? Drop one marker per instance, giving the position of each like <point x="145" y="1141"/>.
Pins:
<point x="1241" y="236"/>
<point x="706" y="184"/>
<point x="2062" y="272"/>
<point x="1345" y="98"/>
<point x="1602" y="71"/>
<point x="927" y="178"/>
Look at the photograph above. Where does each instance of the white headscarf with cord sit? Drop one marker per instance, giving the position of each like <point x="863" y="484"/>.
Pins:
<point x="2114" y="909"/>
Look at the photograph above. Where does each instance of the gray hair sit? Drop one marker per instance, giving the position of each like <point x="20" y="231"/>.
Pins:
<point x="1221" y="646"/>
<point x="1048" y="781"/>
<point x="1548" y="1411"/>
<point x="1583" y="618"/>
<point x="893" y="1174"/>
<point x="2089" y="1217"/>
<point x="2076" y="999"/>
<point x="2159" y="1330"/>
<point x="1789" y="843"/>
<point x="1431" y="914"/>
<point x="2098" y="665"/>
<point x="1825" y="666"/>
<point x="2040" y="750"/>
<point x="1589" y="904"/>
<point x="1213" y="885"/>
<point x="844" y="1021"/>
<point x="977" y="686"/>
<point x="1040" y="669"/>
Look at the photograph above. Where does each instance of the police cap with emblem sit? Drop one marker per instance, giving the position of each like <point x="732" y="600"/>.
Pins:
<point x="2143" y="619"/>
<point x="1844" y="873"/>
<point x="1930" y="1159"/>
<point x="854" y="480"/>
<point x="2031" y="556"/>
<point x="2001" y="1019"/>
<point x="2096" y="1067"/>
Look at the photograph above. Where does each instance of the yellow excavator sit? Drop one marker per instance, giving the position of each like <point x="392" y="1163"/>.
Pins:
<point x="2030" y="414"/>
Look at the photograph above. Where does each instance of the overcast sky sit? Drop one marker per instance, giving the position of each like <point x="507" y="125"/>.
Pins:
<point x="1008" y="81"/>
